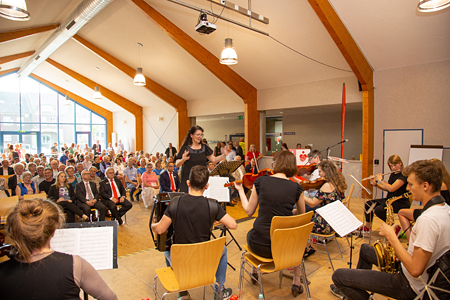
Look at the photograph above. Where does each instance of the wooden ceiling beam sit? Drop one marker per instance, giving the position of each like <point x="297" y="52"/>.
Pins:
<point x="6" y="59"/>
<point x="4" y="72"/>
<point x="230" y="78"/>
<point x="17" y="34"/>
<point x="161" y="92"/>
<point x="343" y="39"/>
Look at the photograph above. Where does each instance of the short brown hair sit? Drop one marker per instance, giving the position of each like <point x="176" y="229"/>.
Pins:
<point x="426" y="171"/>
<point x="285" y="163"/>
<point x="198" y="178"/>
<point x="32" y="223"/>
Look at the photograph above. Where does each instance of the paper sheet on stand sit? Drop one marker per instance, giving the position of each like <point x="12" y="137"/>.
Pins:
<point x="216" y="189"/>
<point x="339" y="217"/>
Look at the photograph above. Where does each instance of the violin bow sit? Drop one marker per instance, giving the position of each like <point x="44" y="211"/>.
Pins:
<point x="256" y="162"/>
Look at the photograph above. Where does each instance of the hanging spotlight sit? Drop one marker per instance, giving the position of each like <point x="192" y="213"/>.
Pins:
<point x="228" y="56"/>
<point x="139" y="79"/>
<point x="67" y="102"/>
<point x="15" y="10"/>
<point x="97" y="95"/>
<point x="432" y="5"/>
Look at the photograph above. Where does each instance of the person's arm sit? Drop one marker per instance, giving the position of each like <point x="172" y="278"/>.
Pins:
<point x="314" y="201"/>
<point x="259" y="156"/>
<point x="19" y="192"/>
<point x="382" y="184"/>
<point x="162" y="225"/>
<point x="183" y="159"/>
<point x="228" y="221"/>
<point x="300" y="205"/>
<point x="248" y="205"/>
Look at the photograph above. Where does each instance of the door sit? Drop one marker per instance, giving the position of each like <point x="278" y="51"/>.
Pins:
<point x="83" y="138"/>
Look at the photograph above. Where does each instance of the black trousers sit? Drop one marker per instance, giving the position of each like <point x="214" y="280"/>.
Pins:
<point x="126" y="206"/>
<point x="380" y="205"/>
<point x="98" y="206"/>
<point x="71" y="209"/>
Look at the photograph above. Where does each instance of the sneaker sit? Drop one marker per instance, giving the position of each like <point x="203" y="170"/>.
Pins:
<point x="184" y="295"/>
<point x="337" y="292"/>
<point x="226" y="294"/>
<point x="362" y="230"/>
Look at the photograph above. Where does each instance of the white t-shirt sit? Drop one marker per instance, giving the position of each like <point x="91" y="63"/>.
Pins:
<point x="432" y="234"/>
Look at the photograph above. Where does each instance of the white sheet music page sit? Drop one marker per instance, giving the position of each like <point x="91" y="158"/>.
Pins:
<point x="216" y="189"/>
<point x="339" y="217"/>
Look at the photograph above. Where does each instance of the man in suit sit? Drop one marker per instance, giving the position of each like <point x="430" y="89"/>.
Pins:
<point x="239" y="150"/>
<point x="17" y="178"/>
<point x="251" y="168"/>
<point x="87" y="196"/>
<point x="171" y="151"/>
<point x="97" y="148"/>
<point x="169" y="180"/>
<point x="6" y="169"/>
<point x="113" y="192"/>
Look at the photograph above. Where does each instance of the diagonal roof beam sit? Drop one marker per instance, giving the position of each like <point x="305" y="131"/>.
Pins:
<point x="5" y="59"/>
<point x="17" y="34"/>
<point x="4" y="72"/>
<point x="126" y="104"/>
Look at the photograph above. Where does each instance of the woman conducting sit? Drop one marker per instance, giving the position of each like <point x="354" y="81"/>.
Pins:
<point x="276" y="195"/>
<point x="395" y="186"/>
<point x="35" y="268"/>
<point x="193" y="153"/>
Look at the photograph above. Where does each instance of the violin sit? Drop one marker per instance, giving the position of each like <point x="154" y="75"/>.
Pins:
<point x="313" y="184"/>
<point x="249" y="178"/>
<point x="306" y="169"/>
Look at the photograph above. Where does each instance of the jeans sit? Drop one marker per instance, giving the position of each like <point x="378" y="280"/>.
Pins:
<point x="132" y="188"/>
<point x="221" y="273"/>
<point x="354" y="284"/>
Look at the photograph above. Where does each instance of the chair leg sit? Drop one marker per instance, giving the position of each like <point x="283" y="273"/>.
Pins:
<point x="204" y="292"/>
<point x="281" y="276"/>
<point x="155" y="287"/>
<point x="329" y="257"/>
<point x="241" y="275"/>
<point x="261" y="291"/>
<point x="305" y="280"/>
<point x="339" y="247"/>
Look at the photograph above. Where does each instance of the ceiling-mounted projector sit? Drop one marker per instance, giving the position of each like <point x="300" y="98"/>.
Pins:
<point x="204" y="26"/>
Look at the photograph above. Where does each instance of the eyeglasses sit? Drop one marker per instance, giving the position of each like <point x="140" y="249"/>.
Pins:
<point x="199" y="134"/>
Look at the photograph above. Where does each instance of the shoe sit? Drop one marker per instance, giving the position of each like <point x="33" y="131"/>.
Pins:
<point x="119" y="220"/>
<point x="184" y="295"/>
<point x="226" y="294"/>
<point x="309" y="251"/>
<point x="301" y="280"/>
<point x="362" y="230"/>
<point x="296" y="290"/>
<point x="337" y="292"/>
<point x="255" y="279"/>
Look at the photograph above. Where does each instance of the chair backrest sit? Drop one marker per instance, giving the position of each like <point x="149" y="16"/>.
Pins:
<point x="7" y="204"/>
<point x="34" y="196"/>
<point x="6" y="176"/>
<point x="279" y="222"/>
<point x="195" y="265"/>
<point x="346" y="202"/>
<point x="288" y="246"/>
<point x="3" y="194"/>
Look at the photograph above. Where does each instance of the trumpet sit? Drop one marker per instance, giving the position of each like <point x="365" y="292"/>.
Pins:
<point x="373" y="176"/>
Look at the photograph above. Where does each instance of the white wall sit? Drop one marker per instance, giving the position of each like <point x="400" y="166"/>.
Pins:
<point x="217" y="129"/>
<point x="413" y="97"/>
<point x="125" y="127"/>
<point x="215" y="106"/>
<point x="159" y="133"/>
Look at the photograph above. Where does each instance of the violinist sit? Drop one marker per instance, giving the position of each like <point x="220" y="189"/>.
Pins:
<point x="276" y="195"/>
<point x="395" y="186"/>
<point x="314" y="157"/>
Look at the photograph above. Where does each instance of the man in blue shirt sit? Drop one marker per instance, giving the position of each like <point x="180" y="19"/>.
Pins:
<point x="158" y="168"/>
<point x="64" y="157"/>
<point x="131" y="178"/>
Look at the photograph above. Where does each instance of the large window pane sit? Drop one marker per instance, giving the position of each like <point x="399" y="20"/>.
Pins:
<point x="29" y="100"/>
<point x="30" y="127"/>
<point x="9" y="99"/>
<point x="99" y="133"/>
<point x="10" y="126"/>
<point x="29" y="142"/>
<point x="83" y="115"/>
<point x="66" y="134"/>
<point x="49" y="107"/>
<point x="49" y="136"/>
<point x="96" y="119"/>
<point x="84" y="127"/>
<point x="66" y="113"/>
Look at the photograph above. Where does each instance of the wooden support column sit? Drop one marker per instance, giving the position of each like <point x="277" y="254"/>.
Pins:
<point x="5" y="59"/>
<point x="362" y="70"/>
<point x="17" y="34"/>
<point x="184" y="124"/>
<point x="251" y="122"/>
<point x="126" y="104"/>
<point x="108" y="115"/>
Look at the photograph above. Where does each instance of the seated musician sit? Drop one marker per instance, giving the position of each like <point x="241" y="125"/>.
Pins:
<point x="169" y="180"/>
<point x="405" y="216"/>
<point x="50" y="274"/>
<point x="332" y="190"/>
<point x="87" y="196"/>
<point x="113" y="193"/>
<point x="276" y="195"/>
<point x="314" y="157"/>
<point x="192" y="216"/>
<point x="430" y="238"/>
<point x="395" y="186"/>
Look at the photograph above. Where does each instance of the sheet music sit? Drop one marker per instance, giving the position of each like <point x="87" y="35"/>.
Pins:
<point x="94" y="244"/>
<point x="339" y="217"/>
<point x="360" y="184"/>
<point x="216" y="189"/>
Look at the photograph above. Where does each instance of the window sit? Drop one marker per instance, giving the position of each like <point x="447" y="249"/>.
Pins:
<point x="29" y="93"/>
<point x="66" y="112"/>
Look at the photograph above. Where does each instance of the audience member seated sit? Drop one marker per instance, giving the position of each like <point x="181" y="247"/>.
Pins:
<point x="63" y="159"/>
<point x="61" y="168"/>
<point x="6" y="169"/>
<point x="106" y="163"/>
<point x="131" y="178"/>
<point x="45" y="185"/>
<point x="71" y="178"/>
<point x="232" y="154"/>
<point x="31" y="167"/>
<point x="118" y="169"/>
<point x="4" y="185"/>
<point x="87" y="196"/>
<point x="39" y="177"/>
<point x="142" y="164"/>
<point x="113" y="193"/>
<point x="17" y="178"/>
<point x="63" y="194"/>
<point x="26" y="187"/>
<point x="54" y="164"/>
<point x="169" y="180"/>
<point x="94" y="176"/>
<point x="150" y="185"/>
<point x="158" y="169"/>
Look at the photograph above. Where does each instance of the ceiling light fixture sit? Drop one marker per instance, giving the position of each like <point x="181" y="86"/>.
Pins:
<point x="15" y="10"/>
<point x="228" y="55"/>
<point x="67" y="102"/>
<point x="97" y="95"/>
<point x="139" y="79"/>
<point x="432" y="5"/>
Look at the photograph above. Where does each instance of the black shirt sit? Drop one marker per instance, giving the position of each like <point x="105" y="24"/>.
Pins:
<point x="400" y="191"/>
<point x="45" y="185"/>
<point x="196" y="157"/>
<point x="192" y="219"/>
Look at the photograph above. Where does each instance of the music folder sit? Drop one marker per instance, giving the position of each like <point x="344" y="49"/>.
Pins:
<point x="339" y="217"/>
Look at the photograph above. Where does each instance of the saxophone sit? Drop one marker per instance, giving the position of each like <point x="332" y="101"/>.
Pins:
<point x="387" y="260"/>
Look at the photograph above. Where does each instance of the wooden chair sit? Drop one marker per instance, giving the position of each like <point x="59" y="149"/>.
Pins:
<point x="34" y="196"/>
<point x="347" y="199"/>
<point x="287" y="250"/>
<point x="6" y="176"/>
<point x="193" y="265"/>
<point x="7" y="204"/>
<point x="3" y="194"/>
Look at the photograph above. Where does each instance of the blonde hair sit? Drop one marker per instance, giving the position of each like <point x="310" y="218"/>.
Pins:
<point x="57" y="183"/>
<point x="333" y="176"/>
<point x="32" y="223"/>
<point x="27" y="174"/>
<point x="395" y="159"/>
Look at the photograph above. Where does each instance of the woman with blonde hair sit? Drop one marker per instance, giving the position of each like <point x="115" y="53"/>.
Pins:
<point x="395" y="186"/>
<point x="150" y="185"/>
<point x="62" y="193"/>
<point x="31" y="225"/>
<point x="26" y="187"/>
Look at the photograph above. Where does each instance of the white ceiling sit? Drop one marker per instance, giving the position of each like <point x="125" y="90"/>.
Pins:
<point x="390" y="33"/>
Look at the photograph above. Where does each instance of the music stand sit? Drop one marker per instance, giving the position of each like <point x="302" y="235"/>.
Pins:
<point x="365" y="200"/>
<point x="226" y="167"/>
